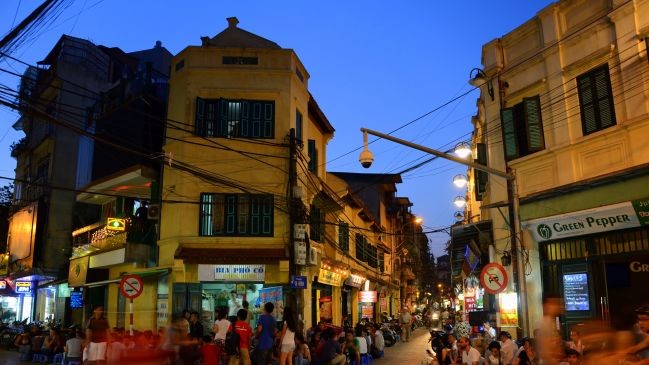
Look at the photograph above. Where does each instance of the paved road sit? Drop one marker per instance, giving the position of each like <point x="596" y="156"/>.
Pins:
<point x="403" y="353"/>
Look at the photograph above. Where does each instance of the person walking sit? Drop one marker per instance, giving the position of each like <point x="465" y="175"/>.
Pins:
<point x="265" y="332"/>
<point x="243" y="329"/>
<point x="97" y="332"/>
<point x="405" y="320"/>
<point x="287" y="337"/>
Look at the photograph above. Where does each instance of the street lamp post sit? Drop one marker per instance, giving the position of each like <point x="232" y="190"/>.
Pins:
<point x="367" y="158"/>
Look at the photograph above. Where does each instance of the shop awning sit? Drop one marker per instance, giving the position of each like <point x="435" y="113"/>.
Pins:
<point x="194" y="255"/>
<point x="143" y="274"/>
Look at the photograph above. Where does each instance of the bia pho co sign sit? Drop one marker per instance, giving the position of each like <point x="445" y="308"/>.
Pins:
<point x="607" y="218"/>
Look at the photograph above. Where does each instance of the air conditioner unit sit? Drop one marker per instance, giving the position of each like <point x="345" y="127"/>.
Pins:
<point x="153" y="212"/>
<point x="314" y="256"/>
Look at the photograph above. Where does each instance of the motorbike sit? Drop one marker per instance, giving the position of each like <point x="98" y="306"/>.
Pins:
<point x="438" y="340"/>
<point x="389" y="335"/>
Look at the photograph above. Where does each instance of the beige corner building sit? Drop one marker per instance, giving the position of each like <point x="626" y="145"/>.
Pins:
<point x="564" y="106"/>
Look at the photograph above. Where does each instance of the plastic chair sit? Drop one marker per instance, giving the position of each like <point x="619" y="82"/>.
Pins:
<point x="74" y="362"/>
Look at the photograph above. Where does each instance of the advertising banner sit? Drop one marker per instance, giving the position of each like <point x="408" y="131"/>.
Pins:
<point x="232" y="273"/>
<point x="329" y="278"/>
<point x="274" y="295"/>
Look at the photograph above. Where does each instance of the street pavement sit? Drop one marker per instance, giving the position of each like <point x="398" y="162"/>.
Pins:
<point x="402" y="353"/>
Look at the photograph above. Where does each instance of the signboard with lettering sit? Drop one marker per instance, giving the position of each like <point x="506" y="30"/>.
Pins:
<point x="23" y="286"/>
<point x="116" y="224"/>
<point x="3" y="284"/>
<point x="575" y="292"/>
<point x="239" y="272"/>
<point x="367" y="296"/>
<point x="78" y="271"/>
<point x="329" y="278"/>
<point x="298" y="282"/>
<point x="274" y="295"/>
<point x="608" y="218"/>
<point x="367" y="311"/>
<point x="355" y="280"/>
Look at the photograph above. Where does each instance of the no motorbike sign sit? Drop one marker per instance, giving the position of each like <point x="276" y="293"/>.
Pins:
<point x="131" y="286"/>
<point x="493" y="278"/>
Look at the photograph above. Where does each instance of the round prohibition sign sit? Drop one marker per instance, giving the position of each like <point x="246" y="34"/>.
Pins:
<point x="131" y="286"/>
<point x="493" y="278"/>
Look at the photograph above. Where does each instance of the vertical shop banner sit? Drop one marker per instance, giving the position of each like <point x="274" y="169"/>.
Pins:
<point x="508" y="304"/>
<point x="274" y="295"/>
<point x="163" y="313"/>
<point x="367" y="310"/>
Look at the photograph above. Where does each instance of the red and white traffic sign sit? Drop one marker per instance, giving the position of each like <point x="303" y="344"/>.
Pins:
<point x="493" y="278"/>
<point x="131" y="286"/>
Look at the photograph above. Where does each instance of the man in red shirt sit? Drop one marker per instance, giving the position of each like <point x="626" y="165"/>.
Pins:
<point x="243" y="329"/>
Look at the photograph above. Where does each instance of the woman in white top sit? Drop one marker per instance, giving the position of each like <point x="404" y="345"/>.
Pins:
<point x="288" y="337"/>
<point x="221" y="327"/>
<point x="363" y="347"/>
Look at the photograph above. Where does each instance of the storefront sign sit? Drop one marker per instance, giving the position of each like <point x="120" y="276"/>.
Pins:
<point x="367" y="311"/>
<point x="239" y="272"/>
<point x="3" y="284"/>
<point x="23" y="286"/>
<point x="78" y="271"/>
<point x="367" y="296"/>
<point x="116" y="224"/>
<point x="608" y="218"/>
<point x="329" y="278"/>
<point x="470" y="304"/>
<point x="355" y="280"/>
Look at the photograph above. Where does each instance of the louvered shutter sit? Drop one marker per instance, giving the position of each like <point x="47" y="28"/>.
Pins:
<point x="604" y="98"/>
<point x="510" y="138"/>
<point x="481" y="177"/>
<point x="313" y="163"/>
<point x="588" y="118"/>
<point x="534" y="124"/>
<point x="221" y="129"/>
<point x="268" y="120"/>
<point x="244" y="124"/>
<point x="256" y="120"/>
<point x="230" y="214"/>
<point x="200" y="117"/>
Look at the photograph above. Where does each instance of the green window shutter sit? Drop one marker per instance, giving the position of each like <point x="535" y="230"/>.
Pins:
<point x="221" y="128"/>
<point x="315" y="223"/>
<point x="381" y="261"/>
<point x="205" y="223"/>
<point x="533" y="124"/>
<point x="230" y="214"/>
<point x="256" y="120"/>
<point x="481" y="177"/>
<point x="604" y="97"/>
<point x="343" y="236"/>
<point x="510" y="138"/>
<point x="298" y="126"/>
<point x="359" y="246"/>
<point x="244" y="215"/>
<point x="267" y="216"/>
<point x="312" y="153"/>
<point x="588" y="117"/>
<point x="179" y="298"/>
<point x="244" y="123"/>
<point x="268" y="120"/>
<point x="199" y="128"/>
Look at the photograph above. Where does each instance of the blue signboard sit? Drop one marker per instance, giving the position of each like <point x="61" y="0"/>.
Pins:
<point x="298" y="282"/>
<point x="76" y="299"/>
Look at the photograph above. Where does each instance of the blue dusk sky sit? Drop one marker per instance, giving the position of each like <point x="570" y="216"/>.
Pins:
<point x="374" y="64"/>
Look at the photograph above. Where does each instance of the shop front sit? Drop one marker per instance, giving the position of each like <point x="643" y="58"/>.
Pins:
<point x="326" y="291"/>
<point x="15" y="301"/>
<point x="597" y="261"/>
<point x="221" y="286"/>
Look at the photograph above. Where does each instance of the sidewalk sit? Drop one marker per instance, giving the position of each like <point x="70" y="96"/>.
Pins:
<point x="407" y="353"/>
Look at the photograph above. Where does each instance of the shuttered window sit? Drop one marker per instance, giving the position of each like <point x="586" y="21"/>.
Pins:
<point x="522" y="128"/>
<point x="236" y="215"/>
<point x="313" y="156"/>
<point x="235" y="118"/>
<point x="317" y="224"/>
<point x="360" y="247"/>
<point x="298" y="127"/>
<point x="481" y="177"/>
<point x="596" y="100"/>
<point x="343" y="235"/>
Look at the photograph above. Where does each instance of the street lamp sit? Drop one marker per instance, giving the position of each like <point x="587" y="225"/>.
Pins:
<point x="513" y="201"/>
<point x="463" y="150"/>
<point x="460" y="180"/>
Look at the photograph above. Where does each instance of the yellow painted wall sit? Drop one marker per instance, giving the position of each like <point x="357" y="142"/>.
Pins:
<point x="144" y="306"/>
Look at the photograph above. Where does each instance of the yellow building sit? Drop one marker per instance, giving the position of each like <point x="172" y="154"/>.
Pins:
<point x="564" y="107"/>
<point x="230" y="178"/>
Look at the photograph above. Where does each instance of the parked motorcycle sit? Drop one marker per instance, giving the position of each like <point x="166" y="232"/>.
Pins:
<point x="390" y="337"/>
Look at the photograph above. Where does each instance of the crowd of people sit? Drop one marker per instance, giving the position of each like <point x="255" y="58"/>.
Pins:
<point x="588" y="343"/>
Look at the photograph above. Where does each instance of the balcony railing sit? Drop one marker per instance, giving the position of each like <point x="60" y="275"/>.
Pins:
<point x="97" y="237"/>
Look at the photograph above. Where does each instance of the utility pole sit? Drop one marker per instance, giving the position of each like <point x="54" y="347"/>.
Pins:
<point x="294" y="209"/>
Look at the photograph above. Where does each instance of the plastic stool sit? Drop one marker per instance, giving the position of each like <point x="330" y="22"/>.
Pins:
<point x="74" y="362"/>
<point x="366" y="359"/>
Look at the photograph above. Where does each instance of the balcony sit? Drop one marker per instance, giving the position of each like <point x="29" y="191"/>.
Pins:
<point x="107" y="247"/>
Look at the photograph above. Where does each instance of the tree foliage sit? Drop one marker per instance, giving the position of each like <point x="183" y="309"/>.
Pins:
<point x="6" y="195"/>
